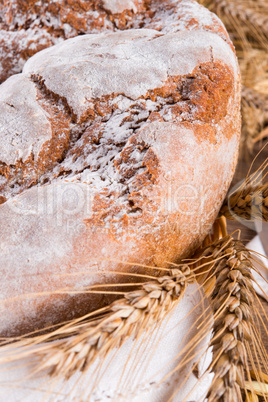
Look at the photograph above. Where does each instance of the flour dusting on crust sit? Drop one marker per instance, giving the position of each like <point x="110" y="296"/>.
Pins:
<point x="81" y="68"/>
<point x="113" y="150"/>
<point x="118" y="6"/>
<point x="24" y="124"/>
<point x="28" y="27"/>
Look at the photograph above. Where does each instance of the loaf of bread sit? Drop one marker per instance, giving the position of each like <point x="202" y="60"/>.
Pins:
<point x="117" y="150"/>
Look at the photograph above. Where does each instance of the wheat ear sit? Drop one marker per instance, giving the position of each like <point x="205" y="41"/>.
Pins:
<point x="255" y="100"/>
<point x="129" y="316"/>
<point x="249" y="203"/>
<point x="255" y="117"/>
<point x="231" y="302"/>
<point x="248" y="14"/>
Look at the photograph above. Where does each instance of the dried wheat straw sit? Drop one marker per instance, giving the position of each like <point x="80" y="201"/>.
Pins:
<point x="231" y="301"/>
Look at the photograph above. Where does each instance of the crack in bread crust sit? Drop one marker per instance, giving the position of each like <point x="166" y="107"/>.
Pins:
<point x="83" y="149"/>
<point x="114" y="142"/>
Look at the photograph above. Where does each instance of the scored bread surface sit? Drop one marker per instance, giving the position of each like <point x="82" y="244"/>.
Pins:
<point x="117" y="147"/>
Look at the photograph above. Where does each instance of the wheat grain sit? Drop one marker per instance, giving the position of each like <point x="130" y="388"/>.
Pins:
<point x="254" y="107"/>
<point x="259" y="388"/>
<point x="254" y="69"/>
<point x="249" y="202"/>
<point x="255" y="117"/>
<point x="129" y="316"/>
<point x="255" y="100"/>
<point x="231" y="301"/>
<point x="244" y="15"/>
<point x="254" y="120"/>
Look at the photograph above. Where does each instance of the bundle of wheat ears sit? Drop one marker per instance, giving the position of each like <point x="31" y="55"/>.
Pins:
<point x="222" y="267"/>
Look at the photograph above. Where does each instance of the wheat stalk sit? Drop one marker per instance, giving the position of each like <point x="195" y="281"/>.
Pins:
<point x="129" y="316"/>
<point x="78" y="344"/>
<point x="249" y="203"/>
<point x="231" y="302"/>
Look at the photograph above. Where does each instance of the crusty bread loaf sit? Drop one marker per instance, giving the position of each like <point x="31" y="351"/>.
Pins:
<point x="116" y="147"/>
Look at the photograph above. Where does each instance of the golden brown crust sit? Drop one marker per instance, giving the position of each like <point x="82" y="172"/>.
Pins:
<point x="201" y="96"/>
<point x="155" y="167"/>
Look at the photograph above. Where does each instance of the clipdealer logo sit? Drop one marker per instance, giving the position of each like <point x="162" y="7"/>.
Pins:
<point x="59" y="200"/>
